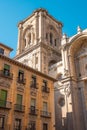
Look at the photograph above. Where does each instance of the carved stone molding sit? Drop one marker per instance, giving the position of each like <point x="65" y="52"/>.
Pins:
<point x="45" y="95"/>
<point x="20" y="87"/>
<point x="33" y="92"/>
<point x="5" y="83"/>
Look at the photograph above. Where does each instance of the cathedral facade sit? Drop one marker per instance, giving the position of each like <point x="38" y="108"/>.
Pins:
<point x="43" y="47"/>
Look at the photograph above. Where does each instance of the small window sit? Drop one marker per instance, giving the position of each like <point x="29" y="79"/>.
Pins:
<point x="6" y="70"/>
<point x="1" y="51"/>
<point x="2" y="120"/>
<point x="51" y="38"/>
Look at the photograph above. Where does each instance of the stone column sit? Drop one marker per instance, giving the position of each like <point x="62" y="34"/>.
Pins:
<point x="19" y="39"/>
<point x="36" y="27"/>
<point x="40" y="26"/>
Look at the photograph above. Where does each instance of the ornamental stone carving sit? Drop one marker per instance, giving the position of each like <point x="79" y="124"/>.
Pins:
<point x="5" y="83"/>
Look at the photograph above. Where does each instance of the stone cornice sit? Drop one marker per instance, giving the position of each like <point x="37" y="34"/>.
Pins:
<point x="26" y="51"/>
<point x="6" y="46"/>
<point x="41" y="10"/>
<point x="26" y="67"/>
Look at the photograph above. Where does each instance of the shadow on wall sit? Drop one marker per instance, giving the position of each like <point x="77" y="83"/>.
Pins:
<point x="62" y="122"/>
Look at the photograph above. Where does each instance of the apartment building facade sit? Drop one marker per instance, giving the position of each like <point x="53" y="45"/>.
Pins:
<point x="26" y="96"/>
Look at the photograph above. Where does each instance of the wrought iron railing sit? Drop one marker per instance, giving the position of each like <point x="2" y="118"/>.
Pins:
<point x="34" y="85"/>
<point x="33" y="111"/>
<point x="45" y="114"/>
<point x="5" y="104"/>
<point x="21" y="81"/>
<point x="45" y="89"/>
<point x="18" y="107"/>
<point x="6" y="74"/>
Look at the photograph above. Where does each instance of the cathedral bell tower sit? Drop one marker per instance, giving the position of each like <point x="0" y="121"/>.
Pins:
<point x="39" y="39"/>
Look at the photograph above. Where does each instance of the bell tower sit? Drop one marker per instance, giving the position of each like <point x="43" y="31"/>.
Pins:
<point x="39" y="39"/>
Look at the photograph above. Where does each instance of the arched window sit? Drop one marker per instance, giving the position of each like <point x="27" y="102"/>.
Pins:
<point x="46" y="36"/>
<point x="55" y="41"/>
<point x="29" y="38"/>
<point x="51" y="38"/>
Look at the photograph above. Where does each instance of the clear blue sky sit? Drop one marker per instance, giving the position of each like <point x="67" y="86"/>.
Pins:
<point x="70" y="12"/>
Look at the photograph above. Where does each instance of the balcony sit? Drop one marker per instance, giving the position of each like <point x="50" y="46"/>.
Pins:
<point x="21" y="81"/>
<point x="33" y="111"/>
<point x="6" y="74"/>
<point x="45" y="114"/>
<point x="5" y="104"/>
<point x="19" y="108"/>
<point x="45" y="89"/>
<point x="34" y="85"/>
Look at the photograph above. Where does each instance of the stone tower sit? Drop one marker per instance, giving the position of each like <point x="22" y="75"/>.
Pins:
<point x="39" y="39"/>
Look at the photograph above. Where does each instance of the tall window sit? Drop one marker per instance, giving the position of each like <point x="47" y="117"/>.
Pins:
<point x="1" y="51"/>
<point x="33" y="82"/>
<point x="21" y="75"/>
<point x="33" y="104"/>
<point x="45" y="107"/>
<point x="45" y="126"/>
<point x="51" y="38"/>
<point x="55" y="41"/>
<point x="19" y="99"/>
<point x="36" y="60"/>
<point x="3" y="98"/>
<point x="44" y="83"/>
<point x="2" y="120"/>
<point x="32" y="125"/>
<point x="46" y="36"/>
<point x="17" y="124"/>
<point x="6" y="70"/>
<point x="29" y="38"/>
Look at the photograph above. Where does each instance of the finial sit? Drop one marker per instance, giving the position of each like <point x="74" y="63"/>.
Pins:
<point x="79" y="30"/>
<point x="64" y="36"/>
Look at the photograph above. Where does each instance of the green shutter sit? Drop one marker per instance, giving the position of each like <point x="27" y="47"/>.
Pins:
<point x="3" y="97"/>
<point x="6" y="66"/>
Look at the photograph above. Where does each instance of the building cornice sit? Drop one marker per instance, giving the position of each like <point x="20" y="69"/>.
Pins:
<point x="41" y="10"/>
<point x="26" y="67"/>
<point x="6" y="46"/>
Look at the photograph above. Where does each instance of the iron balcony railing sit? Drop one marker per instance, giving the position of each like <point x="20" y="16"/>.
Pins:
<point x="34" y="85"/>
<point x="18" y="107"/>
<point x="5" y="104"/>
<point x="21" y="81"/>
<point x="45" y="89"/>
<point x="33" y="111"/>
<point x="6" y="74"/>
<point x="45" y="114"/>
